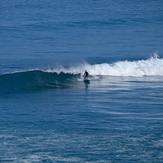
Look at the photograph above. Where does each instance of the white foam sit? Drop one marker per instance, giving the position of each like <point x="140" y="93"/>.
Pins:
<point x="150" y="67"/>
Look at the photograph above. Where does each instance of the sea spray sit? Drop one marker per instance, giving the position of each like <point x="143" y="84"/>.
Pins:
<point x="149" y="67"/>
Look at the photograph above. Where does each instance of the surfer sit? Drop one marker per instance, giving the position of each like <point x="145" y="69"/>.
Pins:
<point x="86" y="74"/>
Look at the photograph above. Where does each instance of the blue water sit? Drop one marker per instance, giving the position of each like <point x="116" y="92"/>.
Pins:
<point x="48" y="114"/>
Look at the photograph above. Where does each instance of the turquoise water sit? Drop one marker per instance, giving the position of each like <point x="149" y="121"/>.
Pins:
<point x="48" y="114"/>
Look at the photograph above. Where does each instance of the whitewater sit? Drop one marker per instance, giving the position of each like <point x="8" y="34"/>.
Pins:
<point x="149" y="67"/>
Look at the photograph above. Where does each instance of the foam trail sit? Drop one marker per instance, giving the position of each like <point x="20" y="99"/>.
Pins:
<point x="150" y="67"/>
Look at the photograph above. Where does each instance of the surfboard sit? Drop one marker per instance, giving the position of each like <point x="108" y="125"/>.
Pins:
<point x="86" y="80"/>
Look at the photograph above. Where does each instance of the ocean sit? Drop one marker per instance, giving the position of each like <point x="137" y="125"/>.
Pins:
<point x="48" y="114"/>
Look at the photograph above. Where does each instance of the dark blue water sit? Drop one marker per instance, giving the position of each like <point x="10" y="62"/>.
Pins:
<point x="48" y="114"/>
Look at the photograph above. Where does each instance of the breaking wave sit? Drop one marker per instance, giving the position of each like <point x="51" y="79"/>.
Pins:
<point x="65" y="77"/>
<point x="150" y="67"/>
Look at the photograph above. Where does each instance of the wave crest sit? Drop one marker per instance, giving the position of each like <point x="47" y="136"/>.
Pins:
<point x="150" y="67"/>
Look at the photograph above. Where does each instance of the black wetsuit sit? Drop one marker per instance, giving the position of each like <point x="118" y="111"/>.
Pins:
<point x="86" y="74"/>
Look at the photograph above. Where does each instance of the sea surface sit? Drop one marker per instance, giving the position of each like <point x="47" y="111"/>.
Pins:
<point x="48" y="114"/>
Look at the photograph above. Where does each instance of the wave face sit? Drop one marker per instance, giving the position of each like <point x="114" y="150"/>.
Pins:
<point x="34" y="80"/>
<point x="66" y="77"/>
